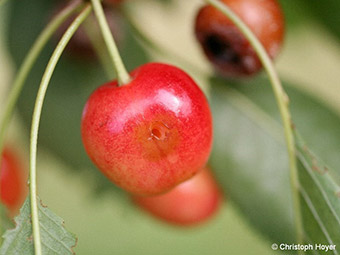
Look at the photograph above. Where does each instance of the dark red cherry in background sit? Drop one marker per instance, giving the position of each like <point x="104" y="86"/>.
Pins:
<point x="150" y="134"/>
<point x="113" y="2"/>
<point x="12" y="181"/>
<point x="191" y="202"/>
<point x="226" y="47"/>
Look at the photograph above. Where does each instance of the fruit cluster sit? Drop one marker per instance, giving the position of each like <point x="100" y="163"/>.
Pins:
<point x="154" y="133"/>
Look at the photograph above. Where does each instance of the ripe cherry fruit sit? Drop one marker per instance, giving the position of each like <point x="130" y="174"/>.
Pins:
<point x="12" y="181"/>
<point x="191" y="202"/>
<point x="224" y="44"/>
<point x="150" y="134"/>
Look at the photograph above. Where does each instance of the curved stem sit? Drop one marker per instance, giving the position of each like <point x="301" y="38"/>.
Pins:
<point x="122" y="75"/>
<point x="283" y="104"/>
<point x="36" y="120"/>
<point x="28" y="64"/>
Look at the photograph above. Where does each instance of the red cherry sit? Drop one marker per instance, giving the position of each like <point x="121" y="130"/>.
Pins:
<point x="12" y="181"/>
<point x="189" y="203"/>
<point x="226" y="47"/>
<point x="150" y="134"/>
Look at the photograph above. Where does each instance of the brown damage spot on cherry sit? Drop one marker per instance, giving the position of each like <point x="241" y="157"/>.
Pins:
<point x="157" y="134"/>
<point x="158" y="138"/>
<point x="159" y="131"/>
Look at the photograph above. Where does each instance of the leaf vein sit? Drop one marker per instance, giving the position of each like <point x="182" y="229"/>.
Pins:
<point x="316" y="217"/>
<point x="322" y="190"/>
<point x="55" y="237"/>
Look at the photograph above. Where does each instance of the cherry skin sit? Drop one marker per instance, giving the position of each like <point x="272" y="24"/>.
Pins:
<point x="226" y="47"/>
<point x="12" y="181"/>
<point x="190" y="203"/>
<point x="150" y="134"/>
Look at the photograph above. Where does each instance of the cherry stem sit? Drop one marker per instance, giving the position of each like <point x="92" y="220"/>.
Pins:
<point x="98" y="46"/>
<point x="283" y="104"/>
<point x="122" y="75"/>
<point x="36" y="120"/>
<point x="27" y="65"/>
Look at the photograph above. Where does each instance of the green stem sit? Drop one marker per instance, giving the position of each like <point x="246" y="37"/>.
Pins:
<point x="283" y="104"/>
<point x="122" y="75"/>
<point x="36" y="120"/>
<point x="28" y="64"/>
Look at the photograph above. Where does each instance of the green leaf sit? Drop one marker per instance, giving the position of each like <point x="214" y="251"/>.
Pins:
<point x="310" y="115"/>
<point x="54" y="237"/>
<point x="295" y="12"/>
<point x="320" y="198"/>
<point x="5" y="220"/>
<point x="251" y="162"/>
<point x="249" y="155"/>
<point x="325" y="12"/>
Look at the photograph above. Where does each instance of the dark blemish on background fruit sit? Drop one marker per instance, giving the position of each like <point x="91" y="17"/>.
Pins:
<point x="226" y="46"/>
<point x="221" y="50"/>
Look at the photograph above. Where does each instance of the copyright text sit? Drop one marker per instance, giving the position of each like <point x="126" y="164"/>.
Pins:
<point x="304" y="247"/>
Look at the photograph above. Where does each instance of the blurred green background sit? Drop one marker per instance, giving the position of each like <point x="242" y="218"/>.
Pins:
<point x="108" y="224"/>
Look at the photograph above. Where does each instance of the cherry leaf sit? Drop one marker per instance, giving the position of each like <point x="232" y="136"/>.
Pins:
<point x="320" y="198"/>
<point x="250" y="159"/>
<point x="54" y="237"/>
